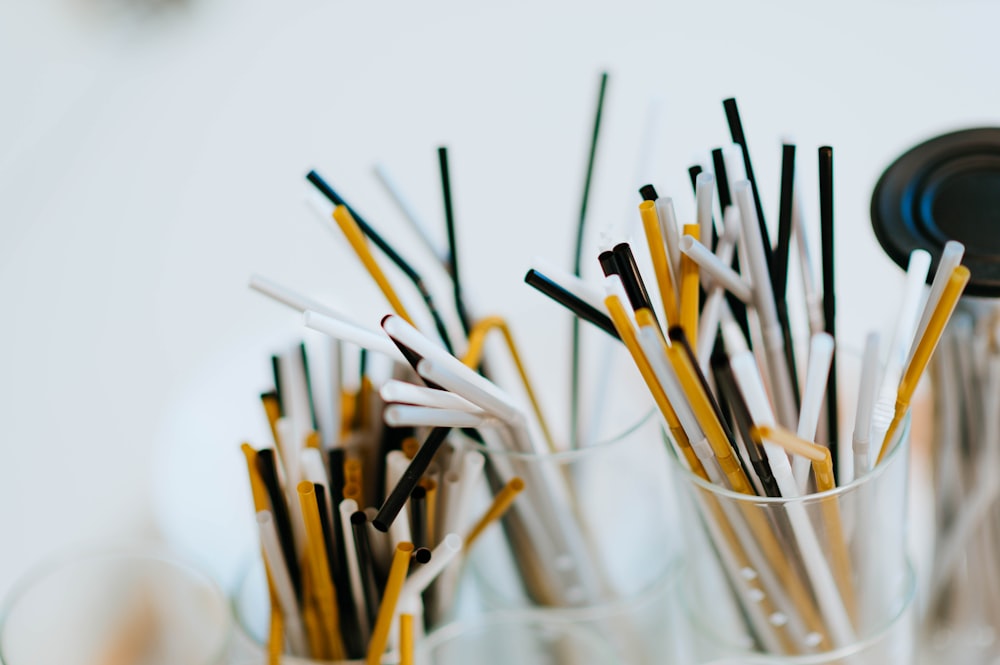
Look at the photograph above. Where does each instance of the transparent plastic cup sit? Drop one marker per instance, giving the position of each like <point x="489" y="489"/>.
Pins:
<point x="129" y="607"/>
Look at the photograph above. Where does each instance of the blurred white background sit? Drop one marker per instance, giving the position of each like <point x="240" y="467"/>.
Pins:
<point x="152" y="157"/>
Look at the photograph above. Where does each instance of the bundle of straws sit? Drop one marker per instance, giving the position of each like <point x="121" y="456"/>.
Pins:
<point x="737" y="414"/>
<point x="964" y="585"/>
<point x="342" y="574"/>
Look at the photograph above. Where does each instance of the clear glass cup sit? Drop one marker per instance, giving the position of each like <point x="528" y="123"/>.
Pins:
<point x="593" y="541"/>
<point x="525" y="638"/>
<point x="961" y="607"/>
<point x="251" y="609"/>
<point x="126" y="607"/>
<point x="809" y="576"/>
<point x="894" y="644"/>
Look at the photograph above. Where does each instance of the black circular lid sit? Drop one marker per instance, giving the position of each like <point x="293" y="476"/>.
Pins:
<point x="947" y="188"/>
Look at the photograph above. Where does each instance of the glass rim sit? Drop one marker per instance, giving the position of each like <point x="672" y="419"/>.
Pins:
<point x="522" y="616"/>
<point x="909" y="604"/>
<point x="877" y="471"/>
<point x="64" y="559"/>
<point x="255" y="563"/>
<point x="670" y="577"/>
<point x="574" y="453"/>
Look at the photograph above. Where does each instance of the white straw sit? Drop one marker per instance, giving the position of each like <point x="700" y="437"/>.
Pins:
<point x="866" y="402"/>
<point x="355" y="334"/>
<point x="813" y="393"/>
<point x="716" y="269"/>
<point x="712" y="312"/>
<point x="831" y="604"/>
<point x="704" y="185"/>
<point x="312" y="466"/>
<point x="347" y="508"/>
<point x="467" y="379"/>
<point x="671" y="235"/>
<point x="292" y="299"/>
<point x="404" y="415"/>
<point x="766" y="308"/>
<point x="394" y="391"/>
<point x="442" y="555"/>
<point x="405" y="207"/>
<point x="275" y="559"/>
<point x="814" y="299"/>
<point x="906" y="323"/>
<point x="951" y="258"/>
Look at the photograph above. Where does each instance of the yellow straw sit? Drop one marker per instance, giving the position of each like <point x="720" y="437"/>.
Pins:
<point x="405" y="639"/>
<point x="431" y="502"/>
<point x="273" y="413"/>
<point x="477" y="340"/>
<point x="348" y="405"/>
<point x="276" y="637"/>
<point x="923" y="352"/>
<point x="345" y="220"/>
<point x="627" y="332"/>
<point x="410" y="446"/>
<point x="501" y="502"/>
<point x="705" y="415"/>
<point x="257" y="489"/>
<point x="317" y="562"/>
<point x="383" y="622"/>
<point x="261" y="502"/>
<point x="690" y="294"/>
<point x="661" y="265"/>
<point x="314" y="633"/>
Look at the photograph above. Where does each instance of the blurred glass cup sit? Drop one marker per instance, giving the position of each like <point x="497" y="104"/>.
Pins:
<point x="592" y="540"/>
<point x="120" y="607"/>
<point x="522" y="637"/>
<point x="780" y="580"/>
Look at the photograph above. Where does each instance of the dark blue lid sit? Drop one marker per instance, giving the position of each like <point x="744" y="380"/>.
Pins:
<point x="947" y="188"/>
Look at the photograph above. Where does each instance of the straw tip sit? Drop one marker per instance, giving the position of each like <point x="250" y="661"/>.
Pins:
<point x="305" y="487"/>
<point x="648" y="193"/>
<point x="422" y="555"/>
<point x="516" y="484"/>
<point x="452" y="541"/>
<point x="405" y="547"/>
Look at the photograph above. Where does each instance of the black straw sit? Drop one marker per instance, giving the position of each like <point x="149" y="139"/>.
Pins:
<point x="628" y="270"/>
<point x="309" y="387"/>
<point x="411" y="476"/>
<point x="418" y="516"/>
<point x="779" y="270"/>
<point x="326" y="190"/>
<point x="736" y="132"/>
<point x="648" y="193"/>
<point x="268" y="470"/>
<point x="278" y="393"/>
<point x="829" y="294"/>
<point x="579" y="307"/>
<point x="449" y="219"/>
<point x="737" y="306"/>
<point x="574" y="381"/>
<point x="729" y="390"/>
<point x="366" y="563"/>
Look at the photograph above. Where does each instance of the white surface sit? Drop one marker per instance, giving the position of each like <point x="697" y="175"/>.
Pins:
<point x="149" y="165"/>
